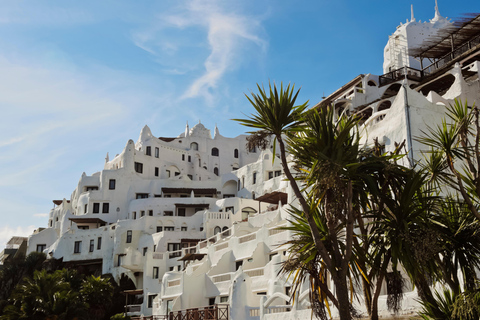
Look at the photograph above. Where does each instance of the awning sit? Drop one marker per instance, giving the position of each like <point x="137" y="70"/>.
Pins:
<point x="274" y="197"/>
<point x="88" y="220"/>
<point x="192" y="256"/>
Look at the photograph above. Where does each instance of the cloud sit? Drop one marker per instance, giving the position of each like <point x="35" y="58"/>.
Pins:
<point x="7" y="232"/>
<point x="231" y="37"/>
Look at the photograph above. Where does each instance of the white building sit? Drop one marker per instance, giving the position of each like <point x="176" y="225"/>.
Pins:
<point x="192" y="221"/>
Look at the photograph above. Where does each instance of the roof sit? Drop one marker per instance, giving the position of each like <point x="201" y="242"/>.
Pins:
<point x="273" y="197"/>
<point x="460" y="32"/>
<point x="16" y="240"/>
<point x="189" y="190"/>
<point x="87" y="220"/>
<point x="133" y="292"/>
<point x="332" y="97"/>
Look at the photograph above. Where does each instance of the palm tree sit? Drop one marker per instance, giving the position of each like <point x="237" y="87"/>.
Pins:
<point x="45" y="296"/>
<point x="98" y="294"/>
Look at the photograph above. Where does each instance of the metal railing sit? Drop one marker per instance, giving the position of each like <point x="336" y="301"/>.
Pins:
<point x="401" y="73"/>
<point x="215" y="312"/>
<point x="418" y="75"/>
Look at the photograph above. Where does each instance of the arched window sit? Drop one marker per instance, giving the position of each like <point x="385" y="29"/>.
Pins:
<point x="215" y="170"/>
<point x="194" y="146"/>
<point x="235" y="153"/>
<point x="217" y="230"/>
<point x="215" y="152"/>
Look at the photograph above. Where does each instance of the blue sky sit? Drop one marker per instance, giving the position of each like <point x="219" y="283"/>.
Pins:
<point x="78" y="79"/>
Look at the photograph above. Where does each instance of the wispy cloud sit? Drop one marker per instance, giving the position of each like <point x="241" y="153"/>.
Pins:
<point x="229" y="37"/>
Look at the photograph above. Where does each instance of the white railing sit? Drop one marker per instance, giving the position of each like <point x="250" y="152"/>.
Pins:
<point x="278" y="309"/>
<point x="254" y="312"/>
<point x="217" y="215"/>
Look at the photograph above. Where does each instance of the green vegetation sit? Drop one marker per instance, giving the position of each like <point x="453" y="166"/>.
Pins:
<point x="35" y="293"/>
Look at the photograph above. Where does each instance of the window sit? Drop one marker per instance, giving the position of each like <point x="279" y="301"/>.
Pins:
<point x="278" y="173"/>
<point x="41" y="247"/>
<point x="151" y="297"/>
<point x="181" y="212"/>
<point x="77" y="247"/>
<point x="224" y="299"/>
<point x="169" y="229"/>
<point x="142" y="195"/>
<point x="91" y="188"/>
<point x="235" y="153"/>
<point x="145" y="249"/>
<point x="189" y="159"/>
<point x="105" y="207"/>
<point x="111" y="184"/>
<point x="86" y="207"/>
<point x="215" y="152"/>
<point x="215" y="170"/>
<point x="254" y="177"/>
<point x="119" y="260"/>
<point x="148" y="152"/>
<point x="96" y="207"/>
<point x="99" y="243"/>
<point x="217" y="230"/>
<point x="168" y="173"/>
<point x="194" y="146"/>
<point x="138" y="167"/>
<point x="157" y="195"/>
<point x="134" y="215"/>
<point x="92" y="246"/>
<point x="183" y="157"/>
<point x="129" y="236"/>
<point x="159" y="229"/>
<point x="168" y="213"/>
<point x="156" y="171"/>
<point x="231" y="209"/>
<point x="174" y="247"/>
<point x="252" y="149"/>
<point x="150" y="213"/>
<point x="157" y="152"/>
<point x="270" y="174"/>
<point x="83" y="227"/>
<point x="184" y="229"/>
<point x="253" y="195"/>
